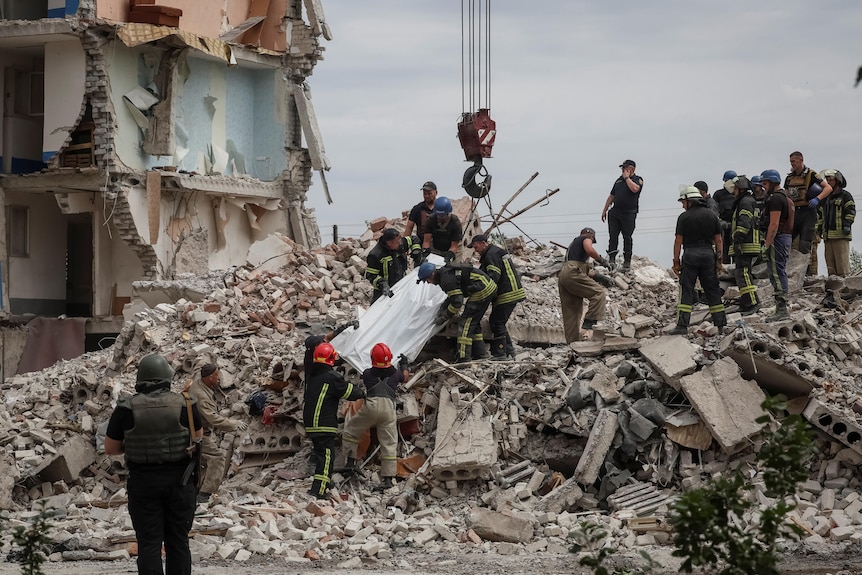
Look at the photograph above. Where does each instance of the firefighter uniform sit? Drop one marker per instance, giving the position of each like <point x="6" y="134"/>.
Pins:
<point x="462" y="282"/>
<point x="497" y="263"/>
<point x="324" y="388"/>
<point x="745" y="235"/>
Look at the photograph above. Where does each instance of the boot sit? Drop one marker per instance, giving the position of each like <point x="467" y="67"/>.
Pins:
<point x="627" y="265"/>
<point x="780" y="312"/>
<point x="498" y="348"/>
<point x="349" y="465"/>
<point x="509" y="347"/>
<point x="385" y="484"/>
<point x="480" y="350"/>
<point x="679" y="330"/>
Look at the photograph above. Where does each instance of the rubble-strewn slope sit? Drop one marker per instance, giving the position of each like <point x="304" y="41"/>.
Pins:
<point x="497" y="456"/>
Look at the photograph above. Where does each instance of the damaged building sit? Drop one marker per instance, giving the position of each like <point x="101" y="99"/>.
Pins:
<point x="144" y="139"/>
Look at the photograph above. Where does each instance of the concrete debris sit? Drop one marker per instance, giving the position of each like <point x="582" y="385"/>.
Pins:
<point x="504" y="456"/>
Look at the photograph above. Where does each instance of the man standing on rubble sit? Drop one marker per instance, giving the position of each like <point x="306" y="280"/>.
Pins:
<point x="745" y="235"/>
<point x="776" y="221"/>
<point x="420" y="213"/>
<point x="381" y="382"/>
<point x="799" y="186"/>
<point x="324" y="388"/>
<point x="497" y="263"/>
<point x="724" y="198"/>
<point x="387" y="261"/>
<point x="153" y="429"/>
<point x="213" y="458"/>
<point x="443" y="231"/>
<point x="575" y="283"/>
<point x="834" y="222"/>
<point x="698" y="230"/>
<point x="461" y="281"/>
<point x="624" y="197"/>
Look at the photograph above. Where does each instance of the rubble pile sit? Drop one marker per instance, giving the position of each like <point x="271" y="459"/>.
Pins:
<point x="503" y="457"/>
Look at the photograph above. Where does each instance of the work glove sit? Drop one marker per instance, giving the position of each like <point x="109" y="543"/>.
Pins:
<point x="384" y="287"/>
<point x="417" y="258"/>
<point x="813" y="202"/>
<point x="604" y="280"/>
<point x="354" y="324"/>
<point x="402" y="362"/>
<point x="604" y="262"/>
<point x="442" y="317"/>
<point x="846" y="229"/>
<point x="423" y="255"/>
<point x="764" y="252"/>
<point x="448" y="256"/>
<point x="242" y="426"/>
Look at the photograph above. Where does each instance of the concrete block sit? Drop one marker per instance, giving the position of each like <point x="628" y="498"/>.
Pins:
<point x="838" y="425"/>
<point x="726" y="403"/>
<point x="493" y="526"/>
<point x="598" y="444"/>
<point x="466" y="448"/>
<point x="672" y="356"/>
<point x="842" y="533"/>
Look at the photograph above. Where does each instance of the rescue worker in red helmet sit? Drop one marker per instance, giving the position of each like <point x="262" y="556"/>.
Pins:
<point x="381" y="382"/>
<point x="323" y="389"/>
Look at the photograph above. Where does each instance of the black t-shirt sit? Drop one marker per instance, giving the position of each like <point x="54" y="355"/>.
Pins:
<point x="576" y="251"/>
<point x="419" y="215"/>
<point x="777" y="202"/>
<point x="625" y="200"/>
<point x="698" y="226"/>
<point x="443" y="236"/>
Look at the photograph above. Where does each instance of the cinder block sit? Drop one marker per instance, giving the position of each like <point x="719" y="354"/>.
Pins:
<point x="836" y="424"/>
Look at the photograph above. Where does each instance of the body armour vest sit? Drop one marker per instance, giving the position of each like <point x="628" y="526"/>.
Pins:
<point x="157" y="436"/>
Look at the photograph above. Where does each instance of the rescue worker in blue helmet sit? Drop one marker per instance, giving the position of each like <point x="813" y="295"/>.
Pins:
<point x="777" y="225"/>
<point x="443" y="230"/>
<point x="462" y="282"/>
<point x="155" y="429"/>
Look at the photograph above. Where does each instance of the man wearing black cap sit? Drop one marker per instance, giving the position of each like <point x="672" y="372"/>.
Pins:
<point x="621" y="218"/>
<point x="576" y="282"/>
<point x="387" y="261"/>
<point x="420" y="213"/>
<point x="497" y="263"/>
<point x="212" y="458"/>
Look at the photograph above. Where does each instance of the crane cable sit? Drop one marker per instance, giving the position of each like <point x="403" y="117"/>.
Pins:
<point x="475" y="54"/>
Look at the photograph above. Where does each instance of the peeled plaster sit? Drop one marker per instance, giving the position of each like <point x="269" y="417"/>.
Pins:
<point x="65" y="74"/>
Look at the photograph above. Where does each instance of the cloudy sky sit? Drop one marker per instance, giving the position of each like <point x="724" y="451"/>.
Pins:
<point x="686" y="88"/>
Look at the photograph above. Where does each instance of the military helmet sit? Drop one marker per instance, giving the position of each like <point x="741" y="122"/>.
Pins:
<point x="154" y="372"/>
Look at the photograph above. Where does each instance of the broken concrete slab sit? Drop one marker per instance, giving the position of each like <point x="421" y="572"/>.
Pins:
<point x="598" y="444"/>
<point x="465" y="447"/>
<point x="672" y="356"/>
<point x="494" y="526"/>
<point x="727" y="404"/>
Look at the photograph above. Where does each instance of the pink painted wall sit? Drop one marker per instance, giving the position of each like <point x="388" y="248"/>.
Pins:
<point x="205" y="18"/>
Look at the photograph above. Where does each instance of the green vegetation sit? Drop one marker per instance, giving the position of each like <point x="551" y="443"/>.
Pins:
<point x="592" y="539"/>
<point x="31" y="542"/>
<point x="709" y="525"/>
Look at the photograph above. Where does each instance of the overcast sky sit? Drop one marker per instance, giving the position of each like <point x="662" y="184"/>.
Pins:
<point x="686" y="88"/>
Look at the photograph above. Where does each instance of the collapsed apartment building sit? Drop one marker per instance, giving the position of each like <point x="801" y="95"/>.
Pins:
<point x="143" y="141"/>
<point x="494" y="457"/>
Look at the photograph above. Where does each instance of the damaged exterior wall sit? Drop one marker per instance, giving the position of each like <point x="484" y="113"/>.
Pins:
<point x="216" y="122"/>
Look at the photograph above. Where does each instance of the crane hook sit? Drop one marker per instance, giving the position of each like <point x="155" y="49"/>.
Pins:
<point x="474" y="188"/>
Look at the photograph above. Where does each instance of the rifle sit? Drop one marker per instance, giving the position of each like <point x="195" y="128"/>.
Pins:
<point x="192" y="471"/>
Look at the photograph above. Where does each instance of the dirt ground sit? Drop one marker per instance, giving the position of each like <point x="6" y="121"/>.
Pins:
<point x="848" y="562"/>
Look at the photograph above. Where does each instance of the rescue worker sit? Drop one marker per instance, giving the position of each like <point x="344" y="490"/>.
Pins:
<point x="798" y="184"/>
<point x="203" y="390"/>
<point x="312" y="341"/>
<point x="420" y="213"/>
<point x="777" y="221"/>
<point x="442" y="233"/>
<point x="497" y="263"/>
<point x="460" y="281"/>
<point x="624" y="197"/>
<point x="387" y="261"/>
<point x="575" y="283"/>
<point x="153" y="430"/>
<point x="324" y="388"/>
<point x="698" y="231"/>
<point x="745" y="235"/>
<point x="836" y="215"/>
<point x="381" y="382"/>
<point x="703" y="188"/>
<point x="724" y="198"/>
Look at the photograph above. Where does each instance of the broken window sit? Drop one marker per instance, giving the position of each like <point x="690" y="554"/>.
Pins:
<point x="18" y="231"/>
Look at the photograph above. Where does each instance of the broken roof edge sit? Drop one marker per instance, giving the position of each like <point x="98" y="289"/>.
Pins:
<point x="245" y="186"/>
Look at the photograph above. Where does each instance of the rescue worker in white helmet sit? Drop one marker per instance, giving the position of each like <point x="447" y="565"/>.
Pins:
<point x="698" y="237"/>
<point x="836" y="215"/>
